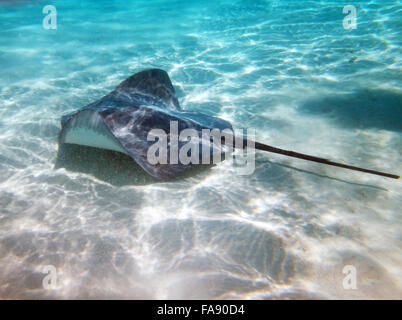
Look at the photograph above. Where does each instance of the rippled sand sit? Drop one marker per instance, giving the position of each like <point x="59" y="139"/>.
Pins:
<point x="287" y="69"/>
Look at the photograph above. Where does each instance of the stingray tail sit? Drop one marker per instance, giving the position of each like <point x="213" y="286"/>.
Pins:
<point x="264" y="147"/>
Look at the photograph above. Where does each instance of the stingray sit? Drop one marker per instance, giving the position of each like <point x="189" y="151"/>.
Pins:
<point x="123" y="119"/>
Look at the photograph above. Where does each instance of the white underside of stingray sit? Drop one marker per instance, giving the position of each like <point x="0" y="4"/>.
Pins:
<point x="89" y="130"/>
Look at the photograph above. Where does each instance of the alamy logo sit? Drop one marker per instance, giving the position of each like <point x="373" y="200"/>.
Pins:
<point x="50" y="280"/>
<point x="349" y="282"/>
<point x="50" y="20"/>
<point x="349" y="22"/>
<point x="190" y="147"/>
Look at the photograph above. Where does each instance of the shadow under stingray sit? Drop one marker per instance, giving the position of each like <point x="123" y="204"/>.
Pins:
<point x="119" y="169"/>
<point x="331" y="178"/>
<point x="112" y="167"/>
<point x="363" y="108"/>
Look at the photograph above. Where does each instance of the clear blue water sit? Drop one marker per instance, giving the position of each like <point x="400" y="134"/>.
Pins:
<point x="287" y="69"/>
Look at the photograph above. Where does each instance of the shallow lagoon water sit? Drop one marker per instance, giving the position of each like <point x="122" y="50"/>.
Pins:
<point x="287" y="69"/>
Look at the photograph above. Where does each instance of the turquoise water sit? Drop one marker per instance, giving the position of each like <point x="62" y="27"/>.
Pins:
<point x="287" y="69"/>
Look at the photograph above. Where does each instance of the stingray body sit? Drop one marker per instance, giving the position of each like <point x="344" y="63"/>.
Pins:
<point x="122" y="120"/>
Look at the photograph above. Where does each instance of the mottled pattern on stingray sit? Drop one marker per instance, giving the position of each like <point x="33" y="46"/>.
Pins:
<point x="141" y="103"/>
